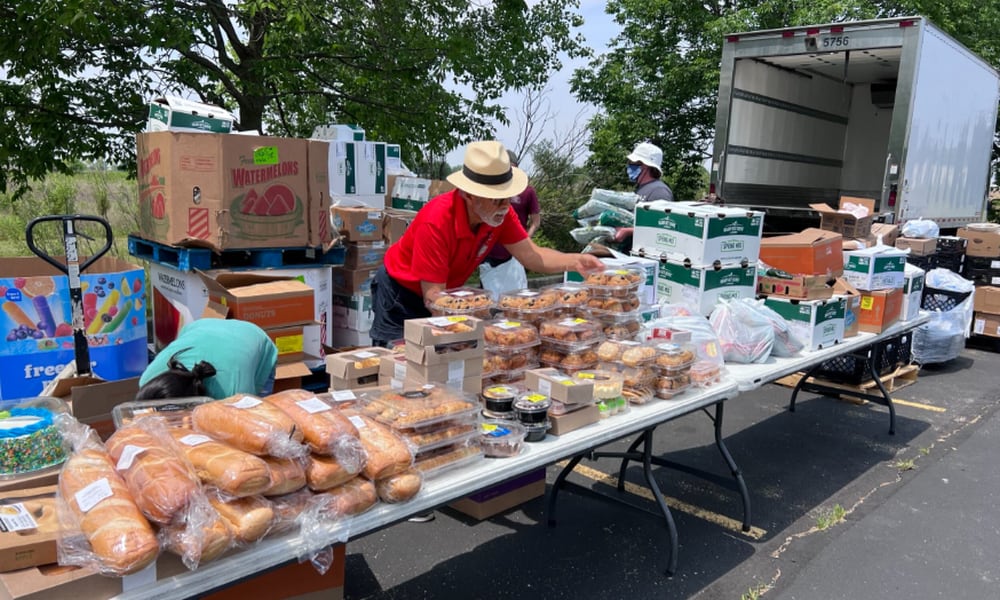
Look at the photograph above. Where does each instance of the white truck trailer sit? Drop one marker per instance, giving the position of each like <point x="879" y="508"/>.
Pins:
<point x="890" y="109"/>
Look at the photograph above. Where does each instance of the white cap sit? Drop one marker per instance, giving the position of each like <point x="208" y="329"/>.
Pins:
<point x="647" y="154"/>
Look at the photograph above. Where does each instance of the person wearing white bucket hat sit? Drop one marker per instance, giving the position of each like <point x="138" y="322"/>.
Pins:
<point x="645" y="167"/>
<point x="452" y="234"/>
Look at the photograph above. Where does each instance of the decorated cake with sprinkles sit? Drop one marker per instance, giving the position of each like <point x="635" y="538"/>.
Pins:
<point x="29" y="441"/>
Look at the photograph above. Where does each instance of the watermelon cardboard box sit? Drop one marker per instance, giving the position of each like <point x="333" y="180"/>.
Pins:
<point x="223" y="191"/>
<point x="36" y="322"/>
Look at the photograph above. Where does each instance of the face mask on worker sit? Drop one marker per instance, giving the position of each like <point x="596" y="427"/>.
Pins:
<point x="633" y="172"/>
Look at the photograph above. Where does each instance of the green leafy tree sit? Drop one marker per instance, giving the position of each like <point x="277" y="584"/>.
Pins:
<point x="77" y="73"/>
<point x="561" y="186"/>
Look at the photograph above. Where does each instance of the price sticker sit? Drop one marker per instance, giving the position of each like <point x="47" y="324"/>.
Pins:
<point x="246" y="402"/>
<point x="91" y="496"/>
<point x="265" y="155"/>
<point x="194" y="439"/>
<point x="313" y="405"/>
<point x="129" y="452"/>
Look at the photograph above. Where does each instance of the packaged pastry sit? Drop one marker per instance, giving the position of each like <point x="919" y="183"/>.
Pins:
<point x="417" y="408"/>
<point x="442" y="460"/>
<point x="447" y="434"/>
<point x="501" y="438"/>
<point x="499" y="399"/>
<point x="571" y="298"/>
<point x="536" y="432"/>
<point x="511" y="377"/>
<point x="638" y="395"/>
<point x="568" y="361"/>
<point x="631" y="376"/>
<point x="570" y="334"/>
<point x="607" y="384"/>
<point x="668" y="386"/>
<point x="621" y="326"/>
<point x="532" y="408"/>
<point x="612" y="406"/>
<point x="612" y="305"/>
<point x="505" y="361"/>
<point x="175" y="412"/>
<point x="673" y="358"/>
<point x="510" y="335"/>
<point x="629" y="353"/>
<point x="30" y="440"/>
<point x="462" y="301"/>
<point x="527" y="305"/>
<point x="619" y="282"/>
<point x="705" y="373"/>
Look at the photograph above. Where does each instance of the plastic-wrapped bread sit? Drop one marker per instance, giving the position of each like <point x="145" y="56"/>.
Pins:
<point x="248" y="518"/>
<point x="99" y="503"/>
<point x="248" y="423"/>
<point x="325" y="472"/>
<point x="160" y="480"/>
<point x="287" y="475"/>
<point x="233" y="471"/>
<point x="400" y="487"/>
<point x="201" y="541"/>
<point x="350" y="498"/>
<point x="325" y="429"/>
<point x="387" y="453"/>
<point x="287" y="509"/>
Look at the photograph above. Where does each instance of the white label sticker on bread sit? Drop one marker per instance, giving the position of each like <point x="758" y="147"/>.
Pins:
<point x="15" y="517"/>
<point x="195" y="439"/>
<point x="358" y="421"/>
<point x="343" y="396"/>
<point x="129" y="452"/>
<point x="313" y="405"/>
<point x="246" y="402"/>
<point x="91" y="496"/>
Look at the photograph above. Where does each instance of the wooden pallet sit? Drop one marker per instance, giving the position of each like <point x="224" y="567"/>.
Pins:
<point x="896" y="380"/>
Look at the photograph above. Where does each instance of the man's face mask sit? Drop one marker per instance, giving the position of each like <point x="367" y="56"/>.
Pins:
<point x="633" y="172"/>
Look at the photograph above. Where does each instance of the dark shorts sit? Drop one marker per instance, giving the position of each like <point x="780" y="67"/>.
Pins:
<point x="392" y="304"/>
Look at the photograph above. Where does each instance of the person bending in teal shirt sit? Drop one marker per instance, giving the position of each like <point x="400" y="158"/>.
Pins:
<point x="212" y="357"/>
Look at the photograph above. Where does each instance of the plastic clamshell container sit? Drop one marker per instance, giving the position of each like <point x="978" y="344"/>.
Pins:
<point x="527" y="301"/>
<point x="175" y="412"/>
<point x="500" y="438"/>
<point x="631" y="376"/>
<point x="570" y="295"/>
<point x="611" y="306"/>
<point x="571" y="334"/>
<point x="638" y="395"/>
<point x="532" y="408"/>
<point x="536" y="432"/>
<point x="612" y="406"/>
<point x="510" y="336"/>
<point x="615" y="282"/>
<point x="461" y="301"/>
<point x="568" y="369"/>
<point x="618" y="329"/>
<point x="705" y="373"/>
<point x="668" y="386"/>
<point x="628" y="353"/>
<point x="444" y="460"/>
<point x="495" y="365"/>
<point x="673" y="358"/>
<point x="607" y="384"/>
<point x="30" y="442"/>
<point x="446" y="435"/>
<point x="499" y="398"/>
<point x="418" y="408"/>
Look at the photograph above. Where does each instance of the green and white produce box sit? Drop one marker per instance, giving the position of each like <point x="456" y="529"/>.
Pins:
<point x="702" y="287"/>
<point x="170" y="113"/>
<point x="703" y="234"/>
<point x="353" y="312"/>
<point x="875" y="268"/>
<point x="913" y="291"/>
<point x="816" y="323"/>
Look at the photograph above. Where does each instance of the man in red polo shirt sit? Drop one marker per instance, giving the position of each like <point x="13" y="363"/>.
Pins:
<point x="451" y="236"/>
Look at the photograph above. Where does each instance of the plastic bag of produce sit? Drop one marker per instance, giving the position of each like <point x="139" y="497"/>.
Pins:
<point x="920" y="228"/>
<point x="585" y="235"/>
<point x="616" y="218"/>
<point x="746" y="335"/>
<point x="785" y="342"/>
<point x="678" y="318"/>
<point x="625" y="200"/>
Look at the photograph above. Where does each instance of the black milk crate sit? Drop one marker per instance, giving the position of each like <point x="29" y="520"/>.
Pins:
<point x="954" y="262"/>
<point x="982" y="262"/>
<point x="982" y="276"/>
<point x="941" y="300"/>
<point x="924" y="262"/>
<point x="950" y="244"/>
<point x="852" y="368"/>
<point x="189" y="259"/>
<point x="898" y="350"/>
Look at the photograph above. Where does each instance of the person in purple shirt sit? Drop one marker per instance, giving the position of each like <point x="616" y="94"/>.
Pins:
<point x="498" y="273"/>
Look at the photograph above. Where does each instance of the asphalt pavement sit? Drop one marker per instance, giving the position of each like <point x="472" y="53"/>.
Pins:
<point x="840" y="509"/>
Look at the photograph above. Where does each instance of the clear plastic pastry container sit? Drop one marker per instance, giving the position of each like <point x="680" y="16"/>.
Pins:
<point x="668" y="386"/>
<point x="619" y="282"/>
<point x="462" y="301"/>
<point x="447" y="434"/>
<point x="174" y="413"/>
<point x="631" y="376"/>
<point x="527" y="302"/>
<point x="612" y="406"/>
<point x="624" y="329"/>
<point x="418" y="408"/>
<point x="510" y="335"/>
<point x="536" y="432"/>
<point x="638" y="395"/>
<point x="532" y="408"/>
<point x="570" y="334"/>
<point x="628" y="353"/>
<point x="443" y="460"/>
<point x="607" y="384"/>
<point x="501" y="438"/>
<point x="513" y="376"/>
<point x="615" y="305"/>
<point x="705" y="373"/>
<point x="499" y="398"/>
<point x="673" y="358"/>
<point x="568" y="362"/>
<point x="496" y="363"/>
<point x="571" y="298"/>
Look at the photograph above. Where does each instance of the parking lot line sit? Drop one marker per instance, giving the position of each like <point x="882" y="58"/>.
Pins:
<point x="919" y="405"/>
<point x="675" y="504"/>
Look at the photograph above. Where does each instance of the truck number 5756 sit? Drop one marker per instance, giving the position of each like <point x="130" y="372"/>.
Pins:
<point x="838" y="41"/>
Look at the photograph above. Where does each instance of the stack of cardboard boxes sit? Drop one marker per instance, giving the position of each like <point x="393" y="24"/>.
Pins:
<point x="360" y="229"/>
<point x="878" y="273"/>
<point x="355" y="369"/>
<point x="445" y="350"/>
<point x="983" y="267"/>
<point x="706" y="252"/>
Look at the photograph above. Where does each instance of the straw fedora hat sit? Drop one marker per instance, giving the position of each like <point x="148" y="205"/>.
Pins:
<point x="487" y="172"/>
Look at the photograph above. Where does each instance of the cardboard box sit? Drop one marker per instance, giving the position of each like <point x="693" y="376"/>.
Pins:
<point x="226" y="191"/>
<point x="318" y="205"/>
<point x="817" y="324"/>
<point x="809" y="252"/>
<point x="889" y="232"/>
<point x="917" y="246"/>
<point x="859" y="243"/>
<point x="171" y="113"/>
<point x="395" y="224"/>
<point x="986" y="324"/>
<point x="449" y="372"/>
<point x="700" y="233"/>
<point x="571" y="421"/>
<point x="22" y="543"/>
<point x="350" y="282"/>
<point x="353" y="312"/>
<point x="981" y="243"/>
<point x="558" y="386"/>
<point x="880" y="309"/>
<point x="92" y="399"/>
<point x="987" y="299"/>
<point x="469" y="385"/>
<point x="36" y="295"/>
<point x="702" y="287"/>
<point x="428" y="332"/>
<point x="268" y="301"/>
<point x="180" y="297"/>
<point x="503" y="497"/>
<point x="852" y="305"/>
<point x="913" y="292"/>
<point x="355" y="368"/>
<point x="370" y="176"/>
<point x="647" y="290"/>
<point x="350" y="338"/>
<point x="436" y="355"/>
<point x="846" y="224"/>
<point x="357" y="223"/>
<point x="878" y="268"/>
<point x="41" y="479"/>
<point x="800" y="287"/>
<point x="293" y="340"/>
<point x="364" y="255"/>
<point x="296" y="581"/>
<point x="290" y="376"/>
<point x="348" y="132"/>
<point x="408" y="193"/>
